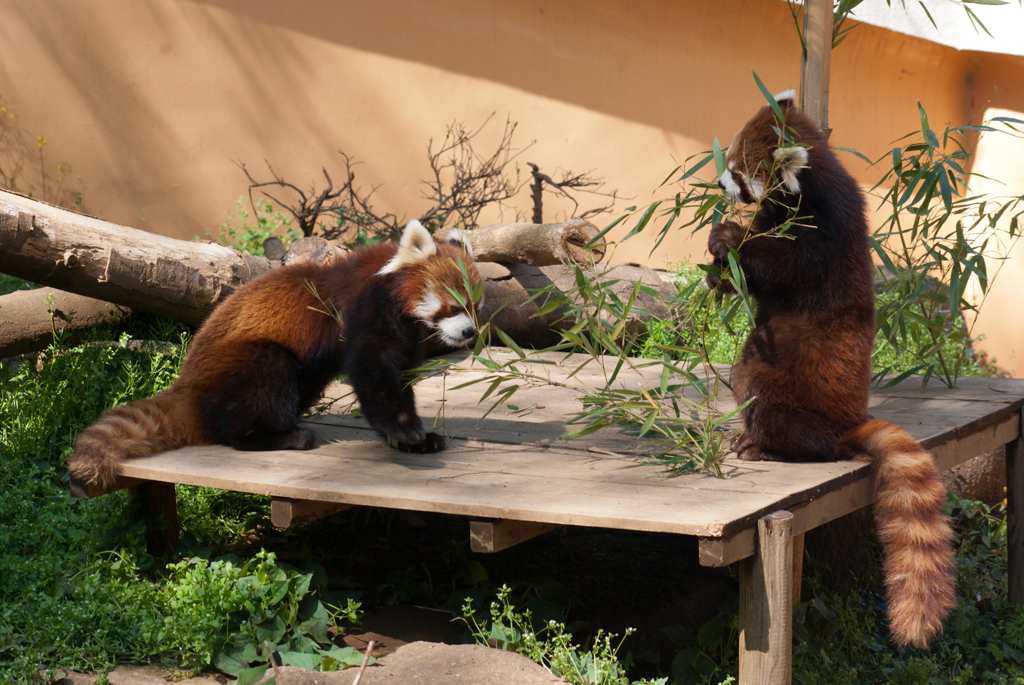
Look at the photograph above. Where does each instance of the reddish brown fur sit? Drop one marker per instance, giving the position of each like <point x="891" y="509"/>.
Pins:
<point x="807" y="364"/>
<point x="266" y="354"/>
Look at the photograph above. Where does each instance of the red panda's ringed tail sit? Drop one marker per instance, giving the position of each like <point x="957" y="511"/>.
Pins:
<point x="910" y="511"/>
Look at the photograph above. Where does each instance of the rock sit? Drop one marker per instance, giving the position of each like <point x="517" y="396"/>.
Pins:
<point x="429" y="663"/>
<point x="131" y="674"/>
<point x="417" y="663"/>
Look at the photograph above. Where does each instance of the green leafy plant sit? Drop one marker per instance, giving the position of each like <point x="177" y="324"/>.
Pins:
<point x="275" y="611"/>
<point x="937" y="240"/>
<point x="245" y="237"/>
<point x="551" y="645"/>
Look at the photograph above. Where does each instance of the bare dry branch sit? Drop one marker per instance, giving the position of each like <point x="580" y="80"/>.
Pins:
<point x="464" y="182"/>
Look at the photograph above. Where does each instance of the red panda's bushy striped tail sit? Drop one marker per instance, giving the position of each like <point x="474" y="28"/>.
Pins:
<point x="917" y="539"/>
<point x="130" y="431"/>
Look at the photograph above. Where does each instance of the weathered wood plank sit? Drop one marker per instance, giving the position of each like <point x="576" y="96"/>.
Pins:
<point x="766" y="605"/>
<point x="286" y="512"/>
<point x="855" y="494"/>
<point x="474" y="480"/>
<point x="495" y="536"/>
<point x="523" y="482"/>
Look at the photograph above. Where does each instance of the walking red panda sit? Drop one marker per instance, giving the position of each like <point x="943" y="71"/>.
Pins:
<point x="807" y="362"/>
<point x="266" y="354"/>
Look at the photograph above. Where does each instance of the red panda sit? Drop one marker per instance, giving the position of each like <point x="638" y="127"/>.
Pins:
<point x="806" y="259"/>
<point x="266" y="354"/>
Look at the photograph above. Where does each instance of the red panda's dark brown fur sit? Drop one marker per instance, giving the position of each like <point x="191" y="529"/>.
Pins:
<point x="807" y="362"/>
<point x="267" y="353"/>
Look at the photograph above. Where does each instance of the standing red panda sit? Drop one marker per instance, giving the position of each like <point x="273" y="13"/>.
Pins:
<point x="807" y="362"/>
<point x="267" y="353"/>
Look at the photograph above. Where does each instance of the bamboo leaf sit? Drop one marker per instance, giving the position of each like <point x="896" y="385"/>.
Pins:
<point x="769" y="97"/>
<point x="509" y="342"/>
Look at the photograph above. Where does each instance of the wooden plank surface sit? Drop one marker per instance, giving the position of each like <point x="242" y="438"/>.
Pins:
<point x="512" y="465"/>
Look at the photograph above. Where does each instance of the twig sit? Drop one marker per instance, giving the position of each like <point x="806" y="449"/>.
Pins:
<point x="277" y="673"/>
<point x="362" y="666"/>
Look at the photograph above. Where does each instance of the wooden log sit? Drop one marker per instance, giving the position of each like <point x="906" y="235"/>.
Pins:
<point x="286" y="512"/>
<point x="180" y="279"/>
<point x="28" y="318"/>
<point x="766" y="605"/>
<point x="816" y="62"/>
<point x="494" y="536"/>
<point x="1015" y="517"/>
<point x="536" y="244"/>
<point x="185" y="280"/>
<point x="509" y="302"/>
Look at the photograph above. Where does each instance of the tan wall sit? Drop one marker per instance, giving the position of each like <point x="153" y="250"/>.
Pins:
<point x="151" y="102"/>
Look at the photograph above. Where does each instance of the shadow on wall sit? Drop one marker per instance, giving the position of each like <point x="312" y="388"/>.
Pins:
<point x="658" y="62"/>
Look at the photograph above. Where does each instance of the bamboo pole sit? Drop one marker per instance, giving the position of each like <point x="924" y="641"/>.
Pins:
<point x="817" y="61"/>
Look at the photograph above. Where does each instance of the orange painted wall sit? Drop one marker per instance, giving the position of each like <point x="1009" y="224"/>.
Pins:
<point x="152" y="103"/>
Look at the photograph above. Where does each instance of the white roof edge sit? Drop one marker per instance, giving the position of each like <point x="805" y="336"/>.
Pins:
<point x="955" y="28"/>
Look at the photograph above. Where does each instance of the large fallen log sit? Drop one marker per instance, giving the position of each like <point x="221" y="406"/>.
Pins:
<point x="536" y="244"/>
<point x="180" y="279"/>
<point x="29" y="318"/>
<point x="185" y="280"/>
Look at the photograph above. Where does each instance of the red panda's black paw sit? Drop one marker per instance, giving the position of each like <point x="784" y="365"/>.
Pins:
<point x="716" y="282"/>
<point x="299" y="439"/>
<point x="723" y="236"/>
<point x="431" y="443"/>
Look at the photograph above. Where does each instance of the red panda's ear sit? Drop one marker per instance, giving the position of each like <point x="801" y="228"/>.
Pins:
<point x="459" y="239"/>
<point x="786" y="99"/>
<point x="788" y="163"/>
<point x="417" y="245"/>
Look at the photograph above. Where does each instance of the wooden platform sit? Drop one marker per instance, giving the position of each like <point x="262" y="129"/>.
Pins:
<point x="511" y="466"/>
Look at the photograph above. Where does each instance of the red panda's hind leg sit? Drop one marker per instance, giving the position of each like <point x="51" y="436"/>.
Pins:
<point x="255" y="403"/>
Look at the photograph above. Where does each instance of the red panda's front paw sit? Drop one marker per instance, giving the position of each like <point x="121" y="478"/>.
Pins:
<point x="723" y="236"/>
<point x="432" y="442"/>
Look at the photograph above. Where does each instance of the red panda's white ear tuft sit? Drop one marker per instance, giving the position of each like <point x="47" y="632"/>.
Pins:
<point x="786" y="99"/>
<point x="788" y="163"/>
<point x="417" y="245"/>
<point x="460" y="238"/>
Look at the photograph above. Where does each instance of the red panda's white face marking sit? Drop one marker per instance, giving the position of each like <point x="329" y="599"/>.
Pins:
<point x="449" y="319"/>
<point x="756" y="163"/>
<point x="430" y="272"/>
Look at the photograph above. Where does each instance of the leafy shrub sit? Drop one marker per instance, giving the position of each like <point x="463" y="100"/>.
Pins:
<point x="79" y="590"/>
<point x="244" y="236"/>
<point x="550" y="645"/>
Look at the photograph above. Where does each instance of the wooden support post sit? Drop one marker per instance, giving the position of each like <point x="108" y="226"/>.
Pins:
<point x="157" y="499"/>
<point x="766" y="605"/>
<point x="1015" y="516"/>
<point x="798" y="566"/>
<point x="286" y="512"/>
<point x="817" y="61"/>
<point x="494" y="536"/>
